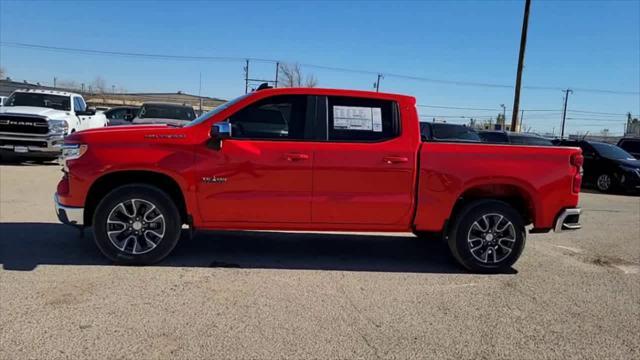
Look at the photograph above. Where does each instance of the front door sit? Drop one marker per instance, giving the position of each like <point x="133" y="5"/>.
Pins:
<point x="263" y="173"/>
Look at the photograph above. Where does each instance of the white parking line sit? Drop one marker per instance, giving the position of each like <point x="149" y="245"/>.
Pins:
<point x="628" y="269"/>
<point x="575" y="250"/>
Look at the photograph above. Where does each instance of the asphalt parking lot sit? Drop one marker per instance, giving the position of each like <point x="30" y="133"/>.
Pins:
<point x="298" y="295"/>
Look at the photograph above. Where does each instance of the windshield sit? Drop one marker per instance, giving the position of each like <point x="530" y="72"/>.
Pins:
<point x="611" y="151"/>
<point x="57" y="102"/>
<point x="153" y="111"/>
<point x="216" y="110"/>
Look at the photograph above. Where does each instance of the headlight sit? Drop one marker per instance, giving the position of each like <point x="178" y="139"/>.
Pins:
<point x="58" y="126"/>
<point x="71" y="152"/>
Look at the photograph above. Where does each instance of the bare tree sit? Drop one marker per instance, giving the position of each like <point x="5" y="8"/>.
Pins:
<point x="292" y="76"/>
<point x="67" y="84"/>
<point x="3" y="72"/>
<point x="99" y="85"/>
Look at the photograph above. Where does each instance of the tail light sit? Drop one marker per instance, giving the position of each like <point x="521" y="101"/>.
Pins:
<point x="577" y="160"/>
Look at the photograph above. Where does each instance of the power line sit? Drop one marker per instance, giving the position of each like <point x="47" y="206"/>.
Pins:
<point x="457" y="108"/>
<point x="264" y="60"/>
<point x="600" y="120"/>
<point x="596" y="112"/>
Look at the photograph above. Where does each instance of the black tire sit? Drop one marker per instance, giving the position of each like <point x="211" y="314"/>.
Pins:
<point x="136" y="199"/>
<point x="604" y="183"/>
<point x="491" y="244"/>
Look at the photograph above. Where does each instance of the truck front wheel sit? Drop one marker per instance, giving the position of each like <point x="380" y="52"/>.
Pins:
<point x="136" y="224"/>
<point x="487" y="236"/>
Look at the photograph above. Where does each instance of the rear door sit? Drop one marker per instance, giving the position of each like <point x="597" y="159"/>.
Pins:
<point x="364" y="171"/>
<point x="263" y="173"/>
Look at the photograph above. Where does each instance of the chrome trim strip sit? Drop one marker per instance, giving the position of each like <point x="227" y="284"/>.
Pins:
<point x="560" y="222"/>
<point x="68" y="215"/>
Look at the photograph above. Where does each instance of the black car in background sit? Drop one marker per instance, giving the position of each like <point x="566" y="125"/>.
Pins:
<point x="606" y="166"/>
<point x="164" y="113"/>
<point x="447" y="132"/>
<point x="121" y="115"/>
<point x="630" y="145"/>
<point x="506" y="137"/>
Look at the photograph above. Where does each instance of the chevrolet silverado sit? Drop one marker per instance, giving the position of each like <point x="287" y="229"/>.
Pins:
<point x="315" y="160"/>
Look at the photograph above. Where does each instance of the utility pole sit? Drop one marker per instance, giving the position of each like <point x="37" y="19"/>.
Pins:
<point x="504" y="117"/>
<point x="380" y="76"/>
<point x="523" y="45"/>
<point x="277" y="70"/>
<point x="246" y="77"/>
<point x="564" y="112"/>
<point x="54" y="82"/>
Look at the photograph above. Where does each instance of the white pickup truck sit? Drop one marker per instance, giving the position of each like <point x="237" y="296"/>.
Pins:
<point x="33" y="123"/>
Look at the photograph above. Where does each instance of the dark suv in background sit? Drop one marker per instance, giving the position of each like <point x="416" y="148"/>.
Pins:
<point x="506" y="137"/>
<point x="447" y="132"/>
<point x="606" y="166"/>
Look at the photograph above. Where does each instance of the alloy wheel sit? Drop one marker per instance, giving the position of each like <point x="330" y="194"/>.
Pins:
<point x="604" y="182"/>
<point x="135" y="226"/>
<point x="491" y="238"/>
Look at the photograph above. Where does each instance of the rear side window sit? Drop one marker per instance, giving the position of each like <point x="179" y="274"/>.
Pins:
<point x="631" y="145"/>
<point x="360" y="119"/>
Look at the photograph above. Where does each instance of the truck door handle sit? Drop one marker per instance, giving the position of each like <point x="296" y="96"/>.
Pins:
<point x="297" y="157"/>
<point x="395" y="159"/>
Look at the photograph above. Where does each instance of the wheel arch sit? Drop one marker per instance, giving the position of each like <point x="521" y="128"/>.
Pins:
<point x="107" y="182"/>
<point x="516" y="196"/>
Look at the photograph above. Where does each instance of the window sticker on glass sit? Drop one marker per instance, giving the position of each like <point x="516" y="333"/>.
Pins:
<point x="357" y="118"/>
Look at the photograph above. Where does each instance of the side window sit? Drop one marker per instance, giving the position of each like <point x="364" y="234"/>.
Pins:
<point x="631" y="145"/>
<point x="278" y="117"/>
<point x="494" y="137"/>
<point x="79" y="104"/>
<point x="116" y="114"/>
<point x="359" y="119"/>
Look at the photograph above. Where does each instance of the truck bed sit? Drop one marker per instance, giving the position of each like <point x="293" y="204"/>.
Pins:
<point x="539" y="177"/>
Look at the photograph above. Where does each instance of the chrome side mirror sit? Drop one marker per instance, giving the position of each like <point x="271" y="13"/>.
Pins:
<point x="220" y="131"/>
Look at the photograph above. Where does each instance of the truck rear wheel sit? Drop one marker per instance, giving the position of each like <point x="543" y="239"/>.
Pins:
<point x="136" y="224"/>
<point x="487" y="236"/>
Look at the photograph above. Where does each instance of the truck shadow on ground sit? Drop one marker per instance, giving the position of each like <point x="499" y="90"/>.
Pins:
<point x="24" y="246"/>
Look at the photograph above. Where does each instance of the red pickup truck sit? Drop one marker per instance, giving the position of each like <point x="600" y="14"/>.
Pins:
<point x="315" y="160"/>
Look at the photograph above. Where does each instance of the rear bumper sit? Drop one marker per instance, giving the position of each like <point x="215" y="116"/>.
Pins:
<point x="69" y="215"/>
<point x="568" y="219"/>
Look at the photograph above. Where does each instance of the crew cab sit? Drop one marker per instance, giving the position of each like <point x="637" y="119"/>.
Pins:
<point x="341" y="160"/>
<point x="33" y="123"/>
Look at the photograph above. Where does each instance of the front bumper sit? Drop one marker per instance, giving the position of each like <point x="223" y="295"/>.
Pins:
<point x="32" y="143"/>
<point x="569" y="219"/>
<point x="69" y="215"/>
